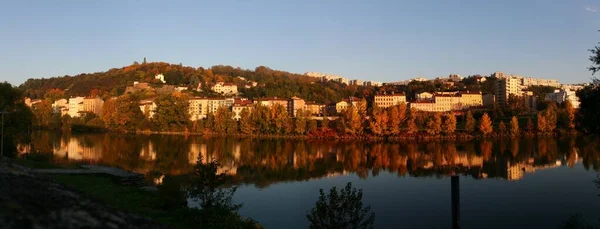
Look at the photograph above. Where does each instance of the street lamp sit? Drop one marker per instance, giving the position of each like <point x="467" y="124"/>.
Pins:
<point x="2" y="139"/>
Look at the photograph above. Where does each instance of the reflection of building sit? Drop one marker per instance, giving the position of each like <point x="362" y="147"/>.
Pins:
<point x="78" y="149"/>
<point x="517" y="170"/>
<point x="148" y="152"/>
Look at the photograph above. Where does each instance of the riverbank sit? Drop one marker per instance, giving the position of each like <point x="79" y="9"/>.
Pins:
<point x="28" y="200"/>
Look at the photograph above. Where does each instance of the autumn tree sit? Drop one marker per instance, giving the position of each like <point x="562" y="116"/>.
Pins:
<point x="449" y="125"/>
<point x="261" y="119"/>
<point x="55" y="94"/>
<point x="411" y="126"/>
<point x="43" y="115"/>
<point x="396" y="116"/>
<point x="351" y="122"/>
<point x="312" y="125"/>
<point x="434" y="124"/>
<point x="122" y="113"/>
<point x="541" y="122"/>
<point x="485" y="124"/>
<point x="279" y="119"/>
<point x="570" y="110"/>
<point x="469" y="122"/>
<point x="246" y="126"/>
<point x="379" y="121"/>
<point x="514" y="126"/>
<point x="551" y="117"/>
<point x="222" y="117"/>
<point x="530" y="125"/>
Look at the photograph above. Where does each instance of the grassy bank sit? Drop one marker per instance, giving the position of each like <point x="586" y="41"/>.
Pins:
<point x="164" y="206"/>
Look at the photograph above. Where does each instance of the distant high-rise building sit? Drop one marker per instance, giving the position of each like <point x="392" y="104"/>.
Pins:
<point x="505" y="87"/>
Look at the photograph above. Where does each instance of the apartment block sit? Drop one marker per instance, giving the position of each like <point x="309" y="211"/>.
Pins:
<point x="225" y="88"/>
<point x="384" y="101"/>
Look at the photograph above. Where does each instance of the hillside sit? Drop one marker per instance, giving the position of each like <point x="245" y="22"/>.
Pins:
<point x="270" y="82"/>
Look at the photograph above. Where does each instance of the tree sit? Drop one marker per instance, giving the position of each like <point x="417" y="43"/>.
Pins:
<point x="279" y="119"/>
<point x="301" y="121"/>
<point x="171" y="112"/>
<point x="122" y="114"/>
<point x="343" y="210"/>
<point x="18" y="120"/>
<point x="312" y="125"/>
<point x="411" y="126"/>
<point x="551" y="117"/>
<point x="485" y="124"/>
<point x="502" y="128"/>
<point x="434" y="124"/>
<point x="43" y="115"/>
<point x="351" y="121"/>
<point x="379" y="121"/>
<point x="514" y="126"/>
<point x="469" y="122"/>
<point x="570" y="110"/>
<point x="206" y="187"/>
<point x="530" y="126"/>
<point x="246" y="126"/>
<point x="222" y="117"/>
<point x="589" y="98"/>
<point x="55" y="94"/>
<point x="396" y="116"/>
<point x="449" y="125"/>
<point x="541" y="122"/>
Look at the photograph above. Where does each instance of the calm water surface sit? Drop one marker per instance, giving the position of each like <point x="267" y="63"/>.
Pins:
<point x="503" y="184"/>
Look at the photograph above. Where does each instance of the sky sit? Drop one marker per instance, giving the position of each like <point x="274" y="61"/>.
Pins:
<point x="385" y="40"/>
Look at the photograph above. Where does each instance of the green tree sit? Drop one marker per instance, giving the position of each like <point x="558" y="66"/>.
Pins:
<point x="18" y="120"/>
<point x="469" y="122"/>
<point x="171" y="112"/>
<point x="301" y="121"/>
<point x="341" y="210"/>
<point x="206" y="187"/>
<point x="449" y="125"/>
<point x="589" y="98"/>
<point x="485" y="124"/>
<point x="514" y="126"/>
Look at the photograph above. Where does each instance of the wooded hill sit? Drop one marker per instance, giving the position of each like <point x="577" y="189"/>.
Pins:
<point x="270" y="82"/>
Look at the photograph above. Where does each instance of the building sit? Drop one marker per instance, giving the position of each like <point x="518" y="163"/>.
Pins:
<point x="75" y="106"/>
<point x="385" y="101"/>
<point x="148" y="107"/>
<point x="93" y="105"/>
<point x="424" y="96"/>
<point x="372" y="83"/>
<point x="198" y="108"/>
<point x="295" y="104"/>
<point x="345" y="103"/>
<point x="30" y="102"/>
<point x="454" y="78"/>
<point x="327" y="77"/>
<point x="561" y="96"/>
<point x="215" y="104"/>
<point x="239" y="105"/>
<point x="449" y="101"/>
<point x="225" y="88"/>
<point x="528" y="81"/>
<point x="315" y="109"/>
<point x="489" y="100"/>
<point x="505" y="87"/>
<point x="160" y="77"/>
<point x="356" y="82"/>
<point x="60" y="106"/>
<point x="271" y="101"/>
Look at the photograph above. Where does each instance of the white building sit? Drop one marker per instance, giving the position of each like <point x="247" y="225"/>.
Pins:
<point x="225" y="88"/>
<point x="75" y="105"/>
<point x="160" y="77"/>
<point x="561" y="96"/>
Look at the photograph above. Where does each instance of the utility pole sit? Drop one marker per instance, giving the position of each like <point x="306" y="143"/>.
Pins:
<point x="455" y="190"/>
<point x="2" y="139"/>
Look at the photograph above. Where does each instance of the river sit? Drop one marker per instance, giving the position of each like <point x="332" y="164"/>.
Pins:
<point x="520" y="183"/>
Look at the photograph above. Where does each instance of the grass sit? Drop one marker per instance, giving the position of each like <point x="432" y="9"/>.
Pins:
<point x="43" y="164"/>
<point x="127" y="198"/>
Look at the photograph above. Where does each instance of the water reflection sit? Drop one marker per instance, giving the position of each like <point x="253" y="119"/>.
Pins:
<point x="263" y="162"/>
